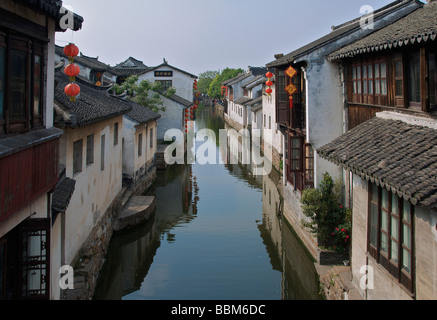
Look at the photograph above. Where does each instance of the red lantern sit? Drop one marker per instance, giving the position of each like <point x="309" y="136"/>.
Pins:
<point x="269" y="90"/>
<point x="269" y="74"/>
<point x="72" y="90"/>
<point x="269" y="83"/>
<point x="71" y="51"/>
<point x="72" y="70"/>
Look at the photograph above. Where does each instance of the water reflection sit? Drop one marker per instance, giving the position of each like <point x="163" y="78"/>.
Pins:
<point x="217" y="233"/>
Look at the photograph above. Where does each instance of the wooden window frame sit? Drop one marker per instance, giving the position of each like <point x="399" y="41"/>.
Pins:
<point x="399" y="98"/>
<point x="77" y="156"/>
<point x="140" y="144"/>
<point x="417" y="105"/>
<point x="35" y="228"/>
<point x="300" y="168"/>
<point x="356" y="78"/>
<point x="366" y="80"/>
<point x="309" y="165"/>
<point x="116" y="134"/>
<point x="90" y="150"/>
<point x="386" y="259"/>
<point x="32" y="115"/>
<point x="380" y="98"/>
<point x="102" y="152"/>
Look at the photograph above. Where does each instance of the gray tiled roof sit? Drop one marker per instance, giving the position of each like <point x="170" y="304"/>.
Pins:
<point x="236" y="79"/>
<point x="255" y="101"/>
<point x="418" y="26"/>
<point x="391" y="153"/>
<point x="93" y="105"/>
<point x="126" y="71"/>
<point x="180" y="100"/>
<point x="242" y="100"/>
<point x="254" y="82"/>
<point x="339" y="31"/>
<point x="141" y="114"/>
<point x="90" y="62"/>
<point x="165" y="64"/>
<point x="62" y="194"/>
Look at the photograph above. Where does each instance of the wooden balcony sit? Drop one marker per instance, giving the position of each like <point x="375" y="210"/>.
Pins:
<point x="28" y="168"/>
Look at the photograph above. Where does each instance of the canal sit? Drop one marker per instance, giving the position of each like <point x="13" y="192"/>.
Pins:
<point x="216" y="234"/>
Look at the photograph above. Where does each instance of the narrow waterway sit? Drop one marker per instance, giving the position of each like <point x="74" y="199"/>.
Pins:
<point x="216" y="235"/>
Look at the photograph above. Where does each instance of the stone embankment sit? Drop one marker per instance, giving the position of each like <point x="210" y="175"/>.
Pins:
<point x="336" y="283"/>
<point x="126" y="211"/>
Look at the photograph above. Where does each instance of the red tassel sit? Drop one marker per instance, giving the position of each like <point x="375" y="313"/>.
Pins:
<point x="291" y="102"/>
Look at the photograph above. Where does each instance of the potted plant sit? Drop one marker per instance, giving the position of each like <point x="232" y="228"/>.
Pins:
<point x="327" y="219"/>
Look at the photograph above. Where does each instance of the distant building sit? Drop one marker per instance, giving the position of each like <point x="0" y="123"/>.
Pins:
<point x="139" y="147"/>
<point x="242" y="89"/>
<point x="170" y="76"/>
<point x="123" y="70"/>
<point x="91" y="68"/>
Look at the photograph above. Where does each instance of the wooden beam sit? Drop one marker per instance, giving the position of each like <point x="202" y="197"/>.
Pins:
<point x="424" y="99"/>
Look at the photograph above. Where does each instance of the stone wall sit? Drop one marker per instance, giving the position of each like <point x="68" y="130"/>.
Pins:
<point x="276" y="156"/>
<point x="219" y="108"/>
<point x="89" y="262"/>
<point x="336" y="284"/>
<point x="234" y="124"/>
<point x="146" y="181"/>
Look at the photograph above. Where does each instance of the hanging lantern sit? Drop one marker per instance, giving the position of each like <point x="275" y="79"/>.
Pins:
<point x="72" y="70"/>
<point x="72" y="90"/>
<point x="71" y="51"/>
<point x="269" y="83"/>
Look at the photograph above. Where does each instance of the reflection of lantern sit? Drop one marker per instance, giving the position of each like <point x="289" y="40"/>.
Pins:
<point x="72" y="90"/>
<point x="72" y="70"/>
<point x="71" y="51"/>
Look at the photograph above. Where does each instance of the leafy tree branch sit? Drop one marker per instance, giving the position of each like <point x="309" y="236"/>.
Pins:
<point x="146" y="93"/>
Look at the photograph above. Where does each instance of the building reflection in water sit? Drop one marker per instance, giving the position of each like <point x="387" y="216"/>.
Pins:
<point x="132" y="252"/>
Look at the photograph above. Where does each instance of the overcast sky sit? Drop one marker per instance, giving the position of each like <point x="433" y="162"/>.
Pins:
<point x="200" y="35"/>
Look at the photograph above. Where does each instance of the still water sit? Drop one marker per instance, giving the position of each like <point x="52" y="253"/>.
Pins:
<point x="216" y="235"/>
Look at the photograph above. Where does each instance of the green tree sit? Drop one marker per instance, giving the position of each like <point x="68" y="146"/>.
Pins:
<point x="328" y="220"/>
<point x="146" y="93"/>
<point x="214" y="90"/>
<point x="205" y="80"/>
